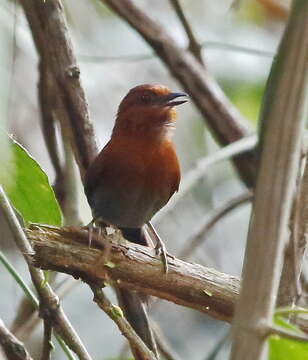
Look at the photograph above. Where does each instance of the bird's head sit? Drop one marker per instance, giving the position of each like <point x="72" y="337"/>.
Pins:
<point x="148" y="109"/>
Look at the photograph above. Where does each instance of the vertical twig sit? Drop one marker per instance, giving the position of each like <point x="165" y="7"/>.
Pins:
<point x="47" y="346"/>
<point x="283" y="118"/>
<point x="294" y="255"/>
<point x="194" y="47"/>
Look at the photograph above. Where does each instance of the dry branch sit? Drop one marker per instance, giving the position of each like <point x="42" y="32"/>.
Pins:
<point x="221" y="116"/>
<point x="135" y="267"/>
<point x="50" y="308"/>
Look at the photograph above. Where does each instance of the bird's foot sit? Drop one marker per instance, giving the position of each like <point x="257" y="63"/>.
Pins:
<point x="161" y="250"/>
<point x="160" y="247"/>
<point x="94" y="226"/>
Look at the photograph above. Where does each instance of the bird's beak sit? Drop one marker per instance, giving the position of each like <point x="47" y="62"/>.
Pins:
<point x="167" y="100"/>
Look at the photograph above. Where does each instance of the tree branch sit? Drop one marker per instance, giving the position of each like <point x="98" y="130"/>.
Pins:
<point x="48" y="25"/>
<point x="282" y="119"/>
<point x="50" y="308"/>
<point x="221" y="116"/>
<point x="135" y="267"/>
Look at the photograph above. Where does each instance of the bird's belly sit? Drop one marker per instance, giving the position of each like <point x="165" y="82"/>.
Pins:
<point x="126" y="209"/>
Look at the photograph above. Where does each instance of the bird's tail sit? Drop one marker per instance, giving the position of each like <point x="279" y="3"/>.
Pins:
<point x="137" y="236"/>
<point x="134" y="305"/>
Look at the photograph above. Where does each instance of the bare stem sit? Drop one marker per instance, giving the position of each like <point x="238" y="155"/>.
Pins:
<point x="115" y="314"/>
<point x="47" y="346"/>
<point x="281" y="138"/>
<point x="217" y="214"/>
<point x="194" y="46"/>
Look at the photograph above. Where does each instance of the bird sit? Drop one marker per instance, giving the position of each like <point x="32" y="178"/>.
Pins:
<point x="134" y="176"/>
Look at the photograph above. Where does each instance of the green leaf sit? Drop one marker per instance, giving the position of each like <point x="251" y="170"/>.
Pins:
<point x="116" y="312"/>
<point x="27" y="186"/>
<point x="110" y="264"/>
<point x="285" y="349"/>
<point x="46" y="278"/>
<point x="207" y="292"/>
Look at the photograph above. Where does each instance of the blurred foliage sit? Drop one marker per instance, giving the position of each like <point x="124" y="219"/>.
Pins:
<point x="259" y="11"/>
<point x="286" y="349"/>
<point x="247" y="98"/>
<point x="251" y="11"/>
<point x="27" y="187"/>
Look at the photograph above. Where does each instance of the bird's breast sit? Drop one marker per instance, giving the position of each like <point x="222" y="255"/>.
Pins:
<point x="134" y="179"/>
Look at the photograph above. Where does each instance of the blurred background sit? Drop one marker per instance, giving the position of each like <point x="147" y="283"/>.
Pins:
<point x="239" y="43"/>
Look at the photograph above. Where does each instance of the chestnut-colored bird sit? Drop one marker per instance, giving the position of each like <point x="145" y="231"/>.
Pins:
<point x="134" y="176"/>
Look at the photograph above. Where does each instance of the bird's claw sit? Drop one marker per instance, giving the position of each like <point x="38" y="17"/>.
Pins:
<point x="92" y="227"/>
<point x="161" y="250"/>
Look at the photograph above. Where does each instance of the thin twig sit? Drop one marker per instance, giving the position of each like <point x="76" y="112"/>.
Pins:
<point x="206" y="44"/>
<point x="26" y="289"/>
<point x="194" y="46"/>
<point x="220" y="115"/>
<point x="163" y="344"/>
<point x="218" y="346"/>
<point x="12" y="347"/>
<point x="202" y="167"/>
<point x="287" y="311"/>
<point x="276" y="330"/>
<point x="49" y="302"/>
<point x="32" y="300"/>
<point x="29" y="320"/>
<point x="115" y="314"/>
<point x="47" y="346"/>
<point x="203" y="229"/>
<point x="46" y="97"/>
<point x="290" y="277"/>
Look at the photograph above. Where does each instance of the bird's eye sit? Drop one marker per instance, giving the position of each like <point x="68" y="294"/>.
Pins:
<point x="146" y="98"/>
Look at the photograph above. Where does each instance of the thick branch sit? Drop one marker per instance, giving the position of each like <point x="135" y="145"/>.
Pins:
<point x="135" y="267"/>
<point x="222" y="117"/>
<point x="48" y="26"/>
<point x="283" y="120"/>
